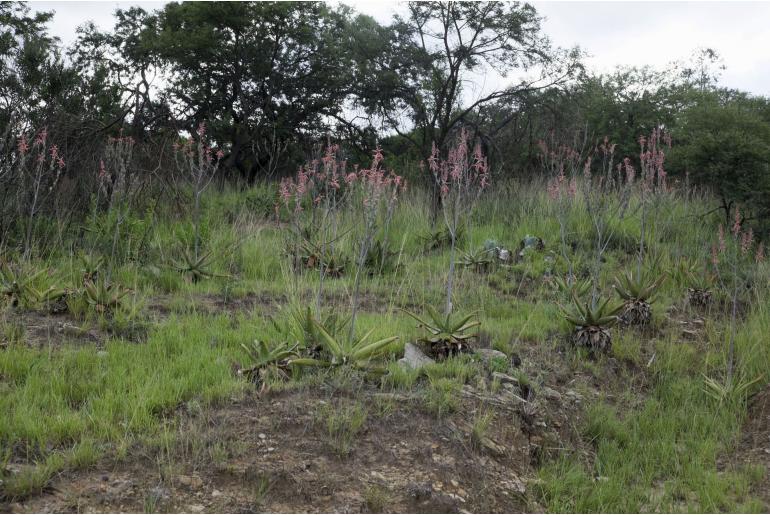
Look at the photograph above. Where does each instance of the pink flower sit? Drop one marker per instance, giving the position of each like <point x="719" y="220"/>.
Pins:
<point x="41" y="137"/>
<point x="737" y="225"/>
<point x="572" y="188"/>
<point x="23" y="146"/>
<point x="220" y="154"/>
<point x="746" y="240"/>
<point x="760" y="255"/>
<point x="60" y="162"/>
<point x="721" y="239"/>
<point x="102" y="170"/>
<point x="201" y="129"/>
<point x="351" y="177"/>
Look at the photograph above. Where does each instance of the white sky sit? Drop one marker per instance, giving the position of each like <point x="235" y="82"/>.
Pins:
<point x="613" y="33"/>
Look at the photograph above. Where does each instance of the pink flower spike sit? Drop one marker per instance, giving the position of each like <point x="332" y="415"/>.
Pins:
<point x="23" y="146"/>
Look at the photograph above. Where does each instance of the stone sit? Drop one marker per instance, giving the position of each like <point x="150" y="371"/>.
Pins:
<point x="262" y="436"/>
<point x="488" y="355"/>
<point x="550" y="394"/>
<point x="196" y="508"/>
<point x="193" y="482"/>
<point x="505" y="378"/>
<point x="414" y="358"/>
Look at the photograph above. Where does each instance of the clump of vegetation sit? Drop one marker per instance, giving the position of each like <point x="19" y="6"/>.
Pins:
<point x="449" y="334"/>
<point x="637" y="292"/>
<point x="105" y="297"/>
<point x="196" y="265"/>
<point x="340" y="351"/>
<point x="591" y="324"/>
<point x="343" y="425"/>
<point x="268" y="363"/>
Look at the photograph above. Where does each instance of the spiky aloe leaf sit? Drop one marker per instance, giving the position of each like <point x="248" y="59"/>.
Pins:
<point x="328" y="340"/>
<point x="372" y="349"/>
<point x="430" y="327"/>
<point x="310" y="362"/>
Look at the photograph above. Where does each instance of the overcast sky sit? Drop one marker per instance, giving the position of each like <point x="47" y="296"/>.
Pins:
<point x="612" y="33"/>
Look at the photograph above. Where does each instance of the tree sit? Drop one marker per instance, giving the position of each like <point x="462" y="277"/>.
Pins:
<point x="443" y="45"/>
<point x="261" y="74"/>
<point x="723" y="143"/>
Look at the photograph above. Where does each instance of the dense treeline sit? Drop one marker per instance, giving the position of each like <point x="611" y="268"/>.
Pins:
<point x="272" y="81"/>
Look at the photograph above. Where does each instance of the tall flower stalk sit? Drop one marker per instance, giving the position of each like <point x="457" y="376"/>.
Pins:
<point x="319" y="187"/>
<point x="606" y="198"/>
<point x="40" y="168"/>
<point x="198" y="163"/>
<point x="378" y="194"/>
<point x="652" y="181"/>
<point x="738" y="254"/>
<point x="460" y="179"/>
<point x="561" y="189"/>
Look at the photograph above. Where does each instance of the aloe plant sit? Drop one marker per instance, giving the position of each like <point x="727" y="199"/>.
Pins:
<point x="196" y="266"/>
<point x="578" y="287"/>
<point x="638" y="292"/>
<point x="17" y="285"/>
<point x="90" y="266"/>
<point x="591" y="323"/>
<point x="447" y="334"/>
<point x="478" y="260"/>
<point x="268" y="361"/>
<point x="103" y="296"/>
<point x="357" y="352"/>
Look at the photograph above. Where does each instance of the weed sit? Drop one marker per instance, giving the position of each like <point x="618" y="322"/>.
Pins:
<point x="442" y="396"/>
<point x="343" y="425"/>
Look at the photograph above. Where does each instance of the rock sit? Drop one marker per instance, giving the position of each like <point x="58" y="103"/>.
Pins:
<point x="488" y="355"/>
<point x="159" y="493"/>
<point x="216" y="493"/>
<point x="190" y="481"/>
<point x="420" y="491"/>
<point x="550" y="394"/>
<point x="262" y="436"/>
<point x="573" y="395"/>
<point x="414" y="358"/>
<point x="505" y="378"/>
<point x="196" y="508"/>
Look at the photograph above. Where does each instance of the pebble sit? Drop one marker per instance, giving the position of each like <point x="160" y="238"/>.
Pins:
<point x="262" y="436"/>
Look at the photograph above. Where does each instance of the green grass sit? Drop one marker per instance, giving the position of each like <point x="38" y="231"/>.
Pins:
<point x="67" y="406"/>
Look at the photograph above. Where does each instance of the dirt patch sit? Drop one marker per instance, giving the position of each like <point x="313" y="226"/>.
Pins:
<point x="39" y="329"/>
<point x="753" y="447"/>
<point x="275" y="454"/>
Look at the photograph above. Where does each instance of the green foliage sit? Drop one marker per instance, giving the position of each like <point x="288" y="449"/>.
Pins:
<point x="18" y="285"/>
<point x="341" y="351"/>
<point x="571" y="288"/>
<point x="89" y="266"/>
<point x="478" y="260"/>
<point x="584" y="314"/>
<point x="268" y="362"/>
<point x="639" y="287"/>
<point x="104" y="297"/>
<point x="381" y="259"/>
<point x="196" y="267"/>
<point x="724" y="144"/>
<point x="447" y="334"/>
<point x="441" y="238"/>
<point x="342" y="425"/>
